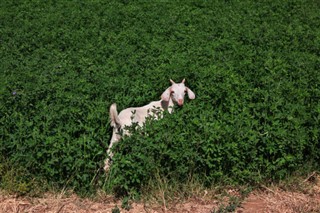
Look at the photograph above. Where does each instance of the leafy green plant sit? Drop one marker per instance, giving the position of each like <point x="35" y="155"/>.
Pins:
<point x="116" y="210"/>
<point x="253" y="66"/>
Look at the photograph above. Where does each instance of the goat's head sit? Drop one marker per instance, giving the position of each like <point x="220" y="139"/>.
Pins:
<point x="176" y="92"/>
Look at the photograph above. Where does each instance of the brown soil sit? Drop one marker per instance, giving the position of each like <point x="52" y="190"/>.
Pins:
<point x="276" y="200"/>
<point x="51" y="204"/>
<point x="279" y="201"/>
<point x="266" y="199"/>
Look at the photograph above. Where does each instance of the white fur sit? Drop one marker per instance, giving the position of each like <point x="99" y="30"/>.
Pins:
<point x="172" y="95"/>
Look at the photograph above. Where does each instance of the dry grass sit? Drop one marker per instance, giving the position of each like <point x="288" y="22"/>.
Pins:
<point x="302" y="198"/>
<point x="277" y="200"/>
<point x="50" y="203"/>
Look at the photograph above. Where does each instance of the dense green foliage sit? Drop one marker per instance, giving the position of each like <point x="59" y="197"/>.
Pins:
<point x="253" y="66"/>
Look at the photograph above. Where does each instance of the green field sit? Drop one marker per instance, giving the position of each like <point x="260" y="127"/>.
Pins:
<point x="253" y="66"/>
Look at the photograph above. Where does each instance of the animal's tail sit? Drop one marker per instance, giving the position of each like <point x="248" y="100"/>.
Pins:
<point x="114" y="119"/>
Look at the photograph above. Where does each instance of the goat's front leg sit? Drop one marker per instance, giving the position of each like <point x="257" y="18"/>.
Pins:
<point x="115" y="138"/>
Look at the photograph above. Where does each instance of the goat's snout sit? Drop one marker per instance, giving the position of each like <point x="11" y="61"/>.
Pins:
<point x="180" y="102"/>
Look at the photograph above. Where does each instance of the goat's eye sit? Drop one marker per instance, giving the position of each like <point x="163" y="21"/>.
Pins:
<point x="172" y="92"/>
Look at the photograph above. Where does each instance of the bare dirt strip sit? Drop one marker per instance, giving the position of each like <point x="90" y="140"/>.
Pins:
<point x="266" y="199"/>
<point x="279" y="201"/>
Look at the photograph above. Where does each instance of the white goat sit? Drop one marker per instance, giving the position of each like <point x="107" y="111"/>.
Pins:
<point x="172" y="95"/>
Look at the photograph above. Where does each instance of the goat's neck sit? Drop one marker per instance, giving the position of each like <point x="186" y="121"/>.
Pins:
<point x="167" y="105"/>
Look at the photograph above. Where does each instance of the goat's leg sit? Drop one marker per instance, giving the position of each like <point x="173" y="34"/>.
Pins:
<point x="115" y="138"/>
<point x="107" y="162"/>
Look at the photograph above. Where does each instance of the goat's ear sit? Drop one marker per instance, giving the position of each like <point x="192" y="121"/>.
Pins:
<point x="191" y="94"/>
<point x="166" y="94"/>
